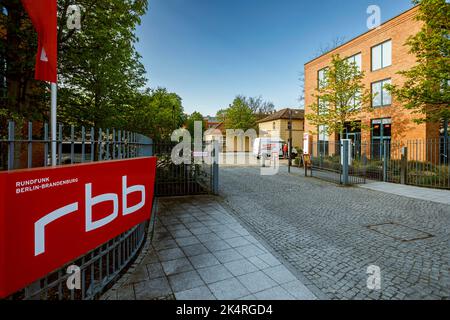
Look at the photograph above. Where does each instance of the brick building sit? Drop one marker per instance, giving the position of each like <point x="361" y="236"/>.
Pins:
<point x="381" y="53"/>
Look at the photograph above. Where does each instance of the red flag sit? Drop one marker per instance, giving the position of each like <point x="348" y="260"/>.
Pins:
<point x="43" y="15"/>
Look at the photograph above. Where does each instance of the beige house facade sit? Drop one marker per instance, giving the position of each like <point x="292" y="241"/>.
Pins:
<point x="277" y="125"/>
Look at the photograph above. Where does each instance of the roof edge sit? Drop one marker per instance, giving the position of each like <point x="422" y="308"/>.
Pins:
<point x="361" y="35"/>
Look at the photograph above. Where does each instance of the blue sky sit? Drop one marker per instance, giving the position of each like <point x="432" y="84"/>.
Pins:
<point x="209" y="51"/>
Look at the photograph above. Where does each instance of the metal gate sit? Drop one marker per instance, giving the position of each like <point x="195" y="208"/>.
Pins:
<point x="197" y="176"/>
<point x="330" y="161"/>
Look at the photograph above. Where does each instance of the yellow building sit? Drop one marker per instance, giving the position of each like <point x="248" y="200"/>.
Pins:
<point x="277" y="125"/>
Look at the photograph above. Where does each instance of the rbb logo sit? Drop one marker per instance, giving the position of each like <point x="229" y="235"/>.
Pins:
<point x="90" y="203"/>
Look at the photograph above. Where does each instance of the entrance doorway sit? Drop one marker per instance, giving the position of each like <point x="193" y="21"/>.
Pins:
<point x="354" y="134"/>
<point x="381" y="132"/>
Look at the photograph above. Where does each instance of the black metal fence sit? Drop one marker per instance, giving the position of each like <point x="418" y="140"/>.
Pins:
<point x="327" y="163"/>
<point x="192" y="177"/>
<point x="422" y="163"/>
<point x="28" y="146"/>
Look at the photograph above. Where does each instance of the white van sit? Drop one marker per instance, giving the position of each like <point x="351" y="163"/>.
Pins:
<point x="267" y="146"/>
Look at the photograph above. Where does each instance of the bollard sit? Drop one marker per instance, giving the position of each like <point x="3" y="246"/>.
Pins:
<point x="345" y="161"/>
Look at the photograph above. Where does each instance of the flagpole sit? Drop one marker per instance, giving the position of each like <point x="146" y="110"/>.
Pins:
<point x="53" y="122"/>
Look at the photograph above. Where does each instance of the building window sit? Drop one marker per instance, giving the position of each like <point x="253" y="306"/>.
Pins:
<point x="382" y="55"/>
<point x="322" y="106"/>
<point x="355" y="101"/>
<point x="321" y="79"/>
<point x="274" y="125"/>
<point x="381" y="132"/>
<point x="356" y="59"/>
<point x="323" y="141"/>
<point x="381" y="97"/>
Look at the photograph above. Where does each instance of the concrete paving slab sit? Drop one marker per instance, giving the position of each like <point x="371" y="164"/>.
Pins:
<point x="257" y="281"/>
<point x="189" y="261"/>
<point x="229" y="289"/>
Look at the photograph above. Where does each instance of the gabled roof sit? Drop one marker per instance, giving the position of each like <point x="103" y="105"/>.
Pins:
<point x="297" y="114"/>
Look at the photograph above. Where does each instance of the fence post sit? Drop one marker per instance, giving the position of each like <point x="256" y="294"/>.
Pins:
<point x="11" y="135"/>
<point x="46" y="144"/>
<point x="114" y="144"/>
<point x="404" y="166"/>
<point x="30" y="145"/>
<point x="345" y="161"/>
<point x="107" y="145"/>
<point x="60" y="144"/>
<point x="385" y="160"/>
<point x="92" y="144"/>
<point x="119" y="143"/>
<point x="83" y="144"/>
<point x="215" y="168"/>
<point x="72" y="144"/>
<point x="100" y="144"/>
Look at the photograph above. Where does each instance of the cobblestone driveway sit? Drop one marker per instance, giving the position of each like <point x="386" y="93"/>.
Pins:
<point x="331" y="234"/>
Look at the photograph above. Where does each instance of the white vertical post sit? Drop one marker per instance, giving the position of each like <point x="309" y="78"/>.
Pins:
<point x="53" y="122"/>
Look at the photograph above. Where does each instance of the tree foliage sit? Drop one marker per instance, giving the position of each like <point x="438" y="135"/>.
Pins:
<point x="260" y="108"/>
<point x="101" y="77"/>
<point x="156" y="113"/>
<point x="240" y="115"/>
<point x="244" y="112"/>
<point x="426" y="90"/>
<point x="190" y="122"/>
<point x="100" y="69"/>
<point x="341" y="97"/>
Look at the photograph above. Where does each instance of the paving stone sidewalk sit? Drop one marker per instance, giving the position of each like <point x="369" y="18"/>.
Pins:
<point x="200" y="252"/>
<point x="427" y="194"/>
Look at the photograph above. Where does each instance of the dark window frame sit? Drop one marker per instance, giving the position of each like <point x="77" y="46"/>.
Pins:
<point x="318" y="76"/>
<point x="382" y="100"/>
<point x="354" y="55"/>
<point x="371" y="55"/>
<point x="381" y="138"/>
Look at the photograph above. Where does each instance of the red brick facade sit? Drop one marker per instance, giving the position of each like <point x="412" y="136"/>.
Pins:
<point x="397" y="30"/>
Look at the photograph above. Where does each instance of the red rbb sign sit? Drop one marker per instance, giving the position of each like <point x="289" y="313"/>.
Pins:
<point x="51" y="216"/>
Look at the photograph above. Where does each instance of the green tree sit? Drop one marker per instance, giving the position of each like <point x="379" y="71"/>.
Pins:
<point x="426" y="90"/>
<point x="341" y="97"/>
<point x="221" y="114"/>
<point x="190" y="122"/>
<point x="100" y="69"/>
<point x="239" y="115"/>
<point x="156" y="113"/>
